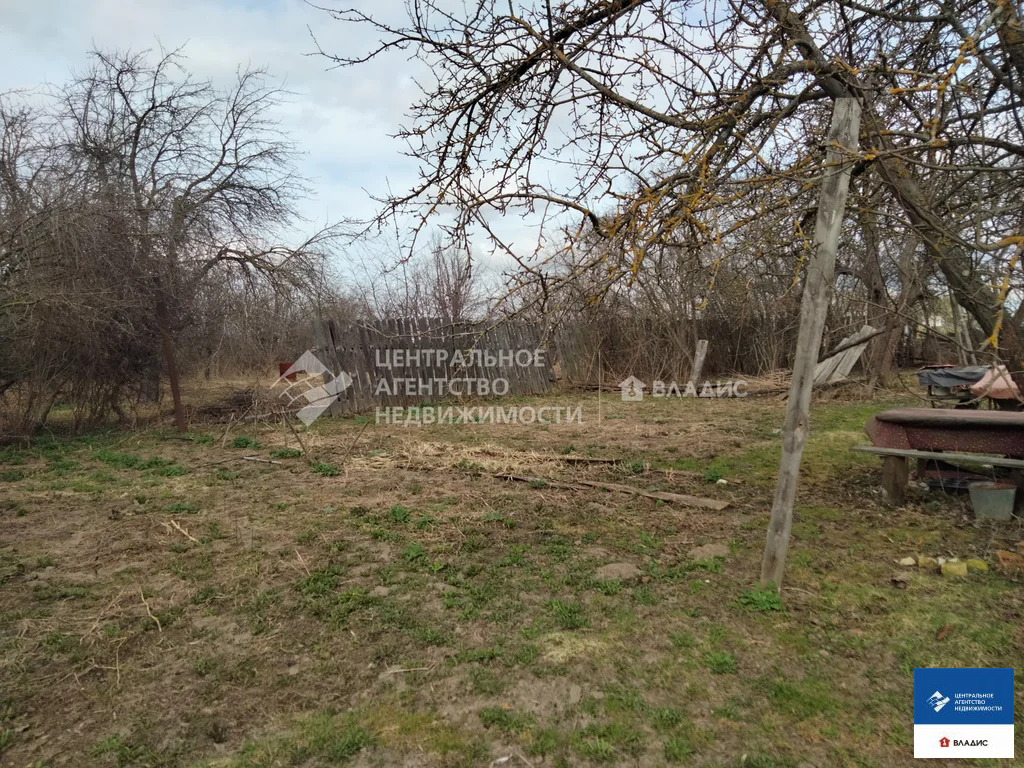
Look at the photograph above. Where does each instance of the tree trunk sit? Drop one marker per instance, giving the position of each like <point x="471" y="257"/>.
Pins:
<point x="842" y="139"/>
<point x="882" y="362"/>
<point x="167" y="345"/>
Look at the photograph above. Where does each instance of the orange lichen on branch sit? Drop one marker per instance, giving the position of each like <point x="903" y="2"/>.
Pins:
<point x="1004" y="289"/>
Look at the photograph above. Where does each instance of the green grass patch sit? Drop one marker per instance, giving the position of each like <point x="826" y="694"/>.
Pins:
<point x="568" y="614"/>
<point x="800" y="699"/>
<point x="120" y="460"/>
<point x="721" y="662"/>
<point x="506" y="720"/>
<point x="399" y="514"/>
<point x="678" y="749"/>
<point x="763" y="600"/>
<point x="607" y="742"/>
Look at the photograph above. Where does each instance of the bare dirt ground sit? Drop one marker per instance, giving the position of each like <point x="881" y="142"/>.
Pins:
<point x="165" y="602"/>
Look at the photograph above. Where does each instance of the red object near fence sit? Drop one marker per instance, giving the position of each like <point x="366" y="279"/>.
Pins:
<point x="282" y="367"/>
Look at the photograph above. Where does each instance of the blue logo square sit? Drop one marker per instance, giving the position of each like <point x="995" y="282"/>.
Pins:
<point x="964" y="696"/>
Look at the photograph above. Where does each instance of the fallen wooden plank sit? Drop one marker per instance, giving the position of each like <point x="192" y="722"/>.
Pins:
<point x="678" y="498"/>
<point x="838" y="365"/>
<point x="970" y="458"/>
<point x="579" y="485"/>
<point x="852" y="341"/>
<point x="543" y="482"/>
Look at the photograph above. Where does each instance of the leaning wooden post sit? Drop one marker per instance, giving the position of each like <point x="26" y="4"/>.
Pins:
<point x="842" y="140"/>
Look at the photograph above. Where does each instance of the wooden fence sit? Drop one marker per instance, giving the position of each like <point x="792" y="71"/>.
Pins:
<point x="409" y="361"/>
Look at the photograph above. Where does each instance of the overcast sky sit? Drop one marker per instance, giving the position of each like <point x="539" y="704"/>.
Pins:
<point x="340" y="119"/>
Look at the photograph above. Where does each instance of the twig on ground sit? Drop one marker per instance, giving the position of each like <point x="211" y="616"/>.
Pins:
<point x="183" y="531"/>
<point x="353" y="445"/>
<point x="154" y="618"/>
<point x="583" y="459"/>
<point x="261" y="461"/>
<point x="288" y="420"/>
<point x="798" y="589"/>
<point x="302" y="563"/>
<point x="117" y="664"/>
<point x="224" y="435"/>
<point x="99" y="617"/>
<point x="397" y="670"/>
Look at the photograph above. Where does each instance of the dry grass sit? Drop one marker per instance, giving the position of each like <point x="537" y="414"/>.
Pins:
<point x="165" y="602"/>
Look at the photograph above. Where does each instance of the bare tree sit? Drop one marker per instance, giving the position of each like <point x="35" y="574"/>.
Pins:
<point x="135" y="196"/>
<point x="70" y="319"/>
<point x="209" y="177"/>
<point x="207" y="173"/>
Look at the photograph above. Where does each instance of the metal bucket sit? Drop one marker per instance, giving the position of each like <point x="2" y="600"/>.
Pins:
<point x="992" y="500"/>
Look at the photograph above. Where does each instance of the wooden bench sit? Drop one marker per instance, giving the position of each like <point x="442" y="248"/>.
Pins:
<point x="896" y="473"/>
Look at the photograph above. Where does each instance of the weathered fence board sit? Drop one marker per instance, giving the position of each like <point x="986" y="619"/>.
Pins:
<point x="839" y="365"/>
